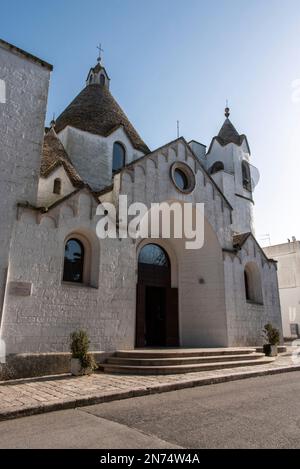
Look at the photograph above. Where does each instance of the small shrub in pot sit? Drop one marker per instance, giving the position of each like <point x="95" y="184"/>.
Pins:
<point x="82" y="363"/>
<point x="272" y="338"/>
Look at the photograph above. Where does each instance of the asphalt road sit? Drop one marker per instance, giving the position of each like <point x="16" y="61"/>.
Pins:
<point x="254" y="413"/>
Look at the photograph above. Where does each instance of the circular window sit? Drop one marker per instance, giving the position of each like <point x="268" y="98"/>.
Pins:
<point x="181" y="180"/>
<point x="183" y="177"/>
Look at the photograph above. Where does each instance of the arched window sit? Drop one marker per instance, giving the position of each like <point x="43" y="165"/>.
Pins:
<point x="246" y="176"/>
<point x="154" y="255"/>
<point x="102" y="79"/>
<point x="252" y="282"/>
<point x="57" y="186"/>
<point x="118" y="157"/>
<point x="217" y="166"/>
<point x="73" y="261"/>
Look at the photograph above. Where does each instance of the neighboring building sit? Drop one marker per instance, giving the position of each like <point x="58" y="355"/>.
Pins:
<point x="288" y="257"/>
<point x="125" y="292"/>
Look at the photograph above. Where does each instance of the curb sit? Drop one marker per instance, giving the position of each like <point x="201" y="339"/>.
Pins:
<point x="138" y="392"/>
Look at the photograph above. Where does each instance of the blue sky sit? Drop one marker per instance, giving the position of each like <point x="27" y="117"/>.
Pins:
<point x="181" y="59"/>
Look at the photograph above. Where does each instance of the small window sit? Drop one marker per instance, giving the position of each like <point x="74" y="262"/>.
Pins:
<point x="57" y="186"/>
<point x="246" y="176"/>
<point x="216" y="167"/>
<point x="73" y="261"/>
<point x="118" y="157"/>
<point x="102" y="79"/>
<point x="91" y="79"/>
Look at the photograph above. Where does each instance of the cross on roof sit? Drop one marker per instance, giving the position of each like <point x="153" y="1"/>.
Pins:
<point x="100" y="50"/>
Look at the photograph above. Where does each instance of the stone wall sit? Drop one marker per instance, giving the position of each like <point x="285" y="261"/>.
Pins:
<point x="46" y="197"/>
<point x="21" y="135"/>
<point x="104" y="307"/>
<point x="28" y="365"/>
<point x="246" y="319"/>
<point x="92" y="154"/>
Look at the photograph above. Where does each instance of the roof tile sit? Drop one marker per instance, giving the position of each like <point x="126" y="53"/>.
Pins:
<point x="55" y="155"/>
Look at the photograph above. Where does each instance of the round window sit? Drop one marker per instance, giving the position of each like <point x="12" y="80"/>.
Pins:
<point x="183" y="177"/>
<point x="181" y="180"/>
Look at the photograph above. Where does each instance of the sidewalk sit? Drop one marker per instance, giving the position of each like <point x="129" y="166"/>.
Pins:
<point x="38" y="395"/>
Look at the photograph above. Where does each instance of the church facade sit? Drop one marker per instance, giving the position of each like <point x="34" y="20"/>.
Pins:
<point x="126" y="292"/>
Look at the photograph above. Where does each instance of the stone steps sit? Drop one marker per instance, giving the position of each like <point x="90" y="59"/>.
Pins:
<point x="181" y="360"/>
<point x="167" y="370"/>
<point x="181" y="352"/>
<point x="172" y="361"/>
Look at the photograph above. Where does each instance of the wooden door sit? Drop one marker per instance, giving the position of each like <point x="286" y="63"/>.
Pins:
<point x="172" y="322"/>
<point x="140" y="315"/>
<point x="156" y="302"/>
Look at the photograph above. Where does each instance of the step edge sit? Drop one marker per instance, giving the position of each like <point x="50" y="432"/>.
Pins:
<point x="163" y="359"/>
<point x="240" y="363"/>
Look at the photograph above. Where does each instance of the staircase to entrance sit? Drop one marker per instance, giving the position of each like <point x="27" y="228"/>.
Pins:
<point x="180" y="360"/>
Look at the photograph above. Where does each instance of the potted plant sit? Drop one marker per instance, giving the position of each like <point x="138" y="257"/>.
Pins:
<point x="272" y="338"/>
<point x="82" y="363"/>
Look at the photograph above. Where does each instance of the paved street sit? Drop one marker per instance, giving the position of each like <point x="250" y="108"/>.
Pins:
<point x="259" y="412"/>
<point x="31" y="396"/>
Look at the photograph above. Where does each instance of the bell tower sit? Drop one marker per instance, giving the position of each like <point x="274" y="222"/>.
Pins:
<point x="228" y="162"/>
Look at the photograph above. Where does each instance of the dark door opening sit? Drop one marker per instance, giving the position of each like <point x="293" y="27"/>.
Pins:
<point x="157" y="302"/>
<point x="155" y="316"/>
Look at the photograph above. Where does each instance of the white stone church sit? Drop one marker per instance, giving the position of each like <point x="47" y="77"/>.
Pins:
<point x="57" y="276"/>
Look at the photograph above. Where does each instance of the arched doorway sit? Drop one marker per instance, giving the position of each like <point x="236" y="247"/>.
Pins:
<point x="157" y="302"/>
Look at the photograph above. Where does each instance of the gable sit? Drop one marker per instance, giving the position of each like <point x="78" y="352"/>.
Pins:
<point x="242" y="239"/>
<point x="54" y="155"/>
<point x="187" y="153"/>
<point x="150" y="179"/>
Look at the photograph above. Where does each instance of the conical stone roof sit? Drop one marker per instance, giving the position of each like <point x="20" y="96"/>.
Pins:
<point x="229" y="134"/>
<point x="96" y="111"/>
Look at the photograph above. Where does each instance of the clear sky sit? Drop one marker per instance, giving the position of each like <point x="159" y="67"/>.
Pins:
<point x="181" y="59"/>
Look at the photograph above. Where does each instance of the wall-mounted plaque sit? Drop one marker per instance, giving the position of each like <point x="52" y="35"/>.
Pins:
<point x="20" y="288"/>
